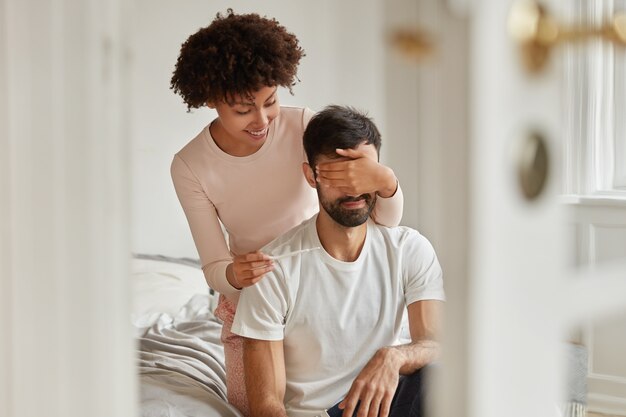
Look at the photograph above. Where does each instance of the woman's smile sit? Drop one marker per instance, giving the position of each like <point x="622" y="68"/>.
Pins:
<point x="258" y="134"/>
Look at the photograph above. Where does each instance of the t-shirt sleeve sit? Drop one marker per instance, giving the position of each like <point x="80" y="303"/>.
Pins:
<point x="262" y="308"/>
<point x="423" y="278"/>
<point x="205" y="227"/>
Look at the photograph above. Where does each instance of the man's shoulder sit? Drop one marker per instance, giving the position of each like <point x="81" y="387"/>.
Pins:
<point x="297" y="238"/>
<point x="405" y="243"/>
<point x="398" y="235"/>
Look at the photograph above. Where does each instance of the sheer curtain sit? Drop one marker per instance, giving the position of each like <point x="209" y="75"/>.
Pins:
<point x="595" y="106"/>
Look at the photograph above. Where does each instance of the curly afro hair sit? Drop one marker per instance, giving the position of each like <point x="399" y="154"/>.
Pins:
<point x="236" y="55"/>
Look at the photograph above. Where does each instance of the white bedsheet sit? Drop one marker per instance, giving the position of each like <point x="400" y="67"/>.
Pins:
<point x="160" y="397"/>
<point x="180" y="356"/>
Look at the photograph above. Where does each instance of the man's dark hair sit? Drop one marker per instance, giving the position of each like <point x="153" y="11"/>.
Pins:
<point x="338" y="127"/>
<point x="236" y="55"/>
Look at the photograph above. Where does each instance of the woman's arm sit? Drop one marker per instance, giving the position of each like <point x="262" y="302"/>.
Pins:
<point x="388" y="210"/>
<point x="205" y="227"/>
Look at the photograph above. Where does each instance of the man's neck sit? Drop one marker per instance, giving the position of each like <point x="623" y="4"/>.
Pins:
<point x="340" y="242"/>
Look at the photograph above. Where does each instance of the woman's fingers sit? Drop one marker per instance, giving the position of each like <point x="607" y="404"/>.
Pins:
<point x="354" y="176"/>
<point x="248" y="271"/>
<point x="353" y="153"/>
<point x="258" y="264"/>
<point x="251" y="267"/>
<point x="255" y="256"/>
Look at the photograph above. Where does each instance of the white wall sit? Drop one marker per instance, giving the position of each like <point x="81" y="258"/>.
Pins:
<point x="344" y="64"/>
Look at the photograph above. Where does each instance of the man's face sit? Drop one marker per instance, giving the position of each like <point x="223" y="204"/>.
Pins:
<point x="346" y="210"/>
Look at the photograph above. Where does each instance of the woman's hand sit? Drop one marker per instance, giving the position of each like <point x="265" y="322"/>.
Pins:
<point x="360" y="174"/>
<point x="248" y="269"/>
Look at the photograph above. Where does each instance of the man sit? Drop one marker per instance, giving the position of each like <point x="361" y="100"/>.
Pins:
<point x="321" y="329"/>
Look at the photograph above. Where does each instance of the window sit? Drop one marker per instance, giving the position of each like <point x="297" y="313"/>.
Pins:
<point x="595" y="97"/>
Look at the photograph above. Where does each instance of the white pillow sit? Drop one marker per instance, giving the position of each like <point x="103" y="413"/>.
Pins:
<point x="162" y="287"/>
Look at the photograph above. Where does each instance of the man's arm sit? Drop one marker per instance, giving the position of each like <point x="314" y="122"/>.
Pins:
<point x="425" y="328"/>
<point x="264" y="365"/>
<point x="376" y="384"/>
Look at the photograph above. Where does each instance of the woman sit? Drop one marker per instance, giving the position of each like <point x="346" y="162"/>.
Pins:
<point x="243" y="170"/>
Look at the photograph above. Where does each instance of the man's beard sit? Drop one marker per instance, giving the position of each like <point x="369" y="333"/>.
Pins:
<point x="348" y="217"/>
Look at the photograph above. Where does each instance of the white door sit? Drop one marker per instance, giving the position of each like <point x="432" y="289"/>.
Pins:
<point x="523" y="296"/>
<point x="65" y="338"/>
<point x="516" y="245"/>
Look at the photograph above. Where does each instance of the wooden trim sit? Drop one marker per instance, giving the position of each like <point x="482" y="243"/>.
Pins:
<point x="610" y="379"/>
<point x="599" y="200"/>
<point x="606" y="404"/>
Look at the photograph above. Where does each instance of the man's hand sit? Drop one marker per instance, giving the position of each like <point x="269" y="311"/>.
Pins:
<point x="360" y="174"/>
<point x="374" y="387"/>
<point x="376" y="384"/>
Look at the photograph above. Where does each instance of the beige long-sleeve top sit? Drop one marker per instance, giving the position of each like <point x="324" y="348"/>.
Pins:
<point x="256" y="197"/>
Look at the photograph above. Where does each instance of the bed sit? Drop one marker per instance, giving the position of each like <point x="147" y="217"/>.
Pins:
<point x="180" y="357"/>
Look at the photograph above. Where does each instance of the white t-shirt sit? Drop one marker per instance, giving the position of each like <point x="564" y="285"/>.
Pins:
<point x="331" y="315"/>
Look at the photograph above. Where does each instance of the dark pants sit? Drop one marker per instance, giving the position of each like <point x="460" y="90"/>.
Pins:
<point x="408" y="401"/>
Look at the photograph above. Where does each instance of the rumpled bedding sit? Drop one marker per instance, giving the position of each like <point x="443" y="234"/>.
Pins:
<point x="181" y="364"/>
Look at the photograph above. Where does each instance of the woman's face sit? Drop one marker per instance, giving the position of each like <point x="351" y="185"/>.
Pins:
<point x="241" y="127"/>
